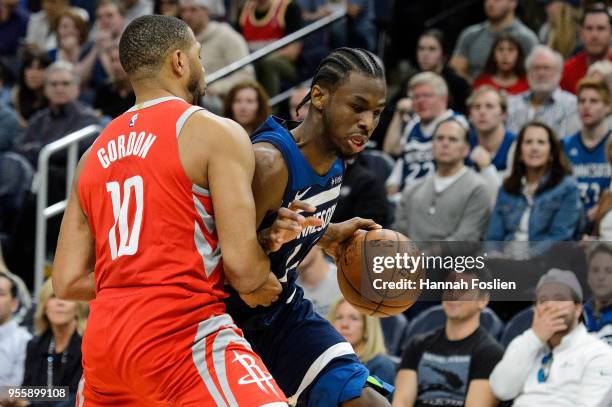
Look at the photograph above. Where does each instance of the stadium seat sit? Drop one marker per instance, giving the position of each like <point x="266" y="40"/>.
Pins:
<point x="517" y="325"/>
<point x="434" y="318"/>
<point x="393" y="330"/>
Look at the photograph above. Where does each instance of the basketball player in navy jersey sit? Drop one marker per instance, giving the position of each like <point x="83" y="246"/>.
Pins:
<point x="311" y="362"/>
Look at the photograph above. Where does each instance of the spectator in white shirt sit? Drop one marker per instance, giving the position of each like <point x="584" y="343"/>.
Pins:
<point x="544" y="101"/>
<point x="556" y="362"/>
<point x="13" y="338"/>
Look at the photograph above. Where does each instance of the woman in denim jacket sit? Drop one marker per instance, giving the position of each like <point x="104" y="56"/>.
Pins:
<point x="540" y="200"/>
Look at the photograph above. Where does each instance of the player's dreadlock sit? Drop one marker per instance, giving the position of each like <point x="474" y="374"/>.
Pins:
<point x="337" y="66"/>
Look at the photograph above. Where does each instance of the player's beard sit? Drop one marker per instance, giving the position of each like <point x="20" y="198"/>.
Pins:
<point x="193" y="87"/>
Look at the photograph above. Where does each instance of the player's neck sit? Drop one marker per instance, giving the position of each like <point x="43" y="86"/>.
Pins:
<point x="457" y="330"/>
<point x="62" y="335"/>
<point x="314" y="145"/>
<point x="592" y="135"/>
<point x="491" y="140"/>
<point x="146" y="90"/>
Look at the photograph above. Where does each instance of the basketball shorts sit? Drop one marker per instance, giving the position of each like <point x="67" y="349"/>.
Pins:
<point x="311" y="362"/>
<point x="147" y="349"/>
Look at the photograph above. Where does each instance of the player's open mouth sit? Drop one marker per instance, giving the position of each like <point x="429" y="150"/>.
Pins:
<point x="357" y="143"/>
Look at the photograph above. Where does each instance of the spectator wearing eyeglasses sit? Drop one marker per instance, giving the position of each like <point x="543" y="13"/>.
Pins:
<point x="64" y="114"/>
<point x="556" y="362"/>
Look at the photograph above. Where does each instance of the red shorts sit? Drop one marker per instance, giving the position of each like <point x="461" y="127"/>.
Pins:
<point x="156" y="348"/>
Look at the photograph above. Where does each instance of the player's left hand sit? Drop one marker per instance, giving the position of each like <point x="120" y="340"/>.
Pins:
<point x="337" y="233"/>
<point x="264" y="295"/>
<point x="287" y="226"/>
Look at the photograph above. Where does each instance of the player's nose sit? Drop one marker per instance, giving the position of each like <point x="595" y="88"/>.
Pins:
<point x="366" y="122"/>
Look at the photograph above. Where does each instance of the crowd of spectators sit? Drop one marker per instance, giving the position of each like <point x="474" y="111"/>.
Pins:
<point x="498" y="134"/>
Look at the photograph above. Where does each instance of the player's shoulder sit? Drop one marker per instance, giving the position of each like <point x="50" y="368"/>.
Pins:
<point x="215" y="131"/>
<point x="269" y="160"/>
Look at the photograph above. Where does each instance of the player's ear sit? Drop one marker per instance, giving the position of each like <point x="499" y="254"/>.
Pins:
<point x="319" y="97"/>
<point x="178" y="61"/>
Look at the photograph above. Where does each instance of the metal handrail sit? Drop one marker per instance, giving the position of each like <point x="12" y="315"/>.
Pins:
<point x="43" y="212"/>
<point x="275" y="46"/>
<point x="281" y="97"/>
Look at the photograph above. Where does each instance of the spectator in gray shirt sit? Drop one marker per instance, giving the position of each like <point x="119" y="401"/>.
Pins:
<point x="475" y="41"/>
<point x="451" y="204"/>
<point x="544" y="101"/>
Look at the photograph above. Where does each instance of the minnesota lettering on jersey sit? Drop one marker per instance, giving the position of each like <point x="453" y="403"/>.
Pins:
<point x="325" y="216"/>
<point x="117" y="149"/>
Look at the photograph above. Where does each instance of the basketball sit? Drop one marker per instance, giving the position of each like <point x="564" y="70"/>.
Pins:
<point x="371" y="279"/>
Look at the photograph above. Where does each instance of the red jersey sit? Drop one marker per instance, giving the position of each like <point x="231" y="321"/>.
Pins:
<point x="520" y="86"/>
<point x="152" y="226"/>
<point x="575" y="69"/>
<point x="266" y="30"/>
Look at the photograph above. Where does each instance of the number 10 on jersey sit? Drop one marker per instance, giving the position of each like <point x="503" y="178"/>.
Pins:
<point x="128" y="239"/>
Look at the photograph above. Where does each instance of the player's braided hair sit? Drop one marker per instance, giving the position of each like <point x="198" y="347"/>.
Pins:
<point x="148" y="39"/>
<point x="335" y="69"/>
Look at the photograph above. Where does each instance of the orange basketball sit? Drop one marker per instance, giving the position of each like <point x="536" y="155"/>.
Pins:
<point x="375" y="272"/>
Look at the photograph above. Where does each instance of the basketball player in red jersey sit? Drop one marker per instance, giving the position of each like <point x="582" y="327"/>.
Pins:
<point x="159" y="194"/>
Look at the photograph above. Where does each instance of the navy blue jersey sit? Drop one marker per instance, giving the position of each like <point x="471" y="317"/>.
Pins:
<point x="590" y="167"/>
<point x="417" y="159"/>
<point x="304" y="184"/>
<point x="500" y="161"/>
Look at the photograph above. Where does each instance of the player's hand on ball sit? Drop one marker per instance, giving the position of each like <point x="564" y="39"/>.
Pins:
<point x="288" y="225"/>
<point x="264" y="295"/>
<point x="337" y="233"/>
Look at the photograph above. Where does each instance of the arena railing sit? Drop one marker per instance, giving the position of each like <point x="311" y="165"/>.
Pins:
<point x="317" y="25"/>
<point x="44" y="211"/>
<point x="70" y="142"/>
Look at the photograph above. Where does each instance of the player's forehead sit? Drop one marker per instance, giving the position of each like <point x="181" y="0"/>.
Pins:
<point x="363" y="88"/>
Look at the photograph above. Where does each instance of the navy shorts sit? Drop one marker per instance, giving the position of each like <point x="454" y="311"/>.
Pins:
<point x="298" y="347"/>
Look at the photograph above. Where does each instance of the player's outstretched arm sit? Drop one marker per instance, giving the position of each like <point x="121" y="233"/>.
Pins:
<point x="230" y="168"/>
<point x="73" y="277"/>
